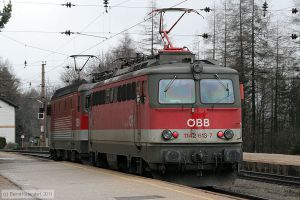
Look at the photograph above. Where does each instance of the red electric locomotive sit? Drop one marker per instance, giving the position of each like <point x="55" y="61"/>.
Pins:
<point x="69" y="122"/>
<point x="171" y="117"/>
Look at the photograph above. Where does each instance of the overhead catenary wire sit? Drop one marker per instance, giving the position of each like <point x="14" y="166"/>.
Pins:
<point x="30" y="46"/>
<point x="74" y="37"/>
<point x="55" y="52"/>
<point x="114" y="35"/>
<point x="88" y="33"/>
<point x="36" y="3"/>
<point x="70" y="4"/>
<point x="119" y="6"/>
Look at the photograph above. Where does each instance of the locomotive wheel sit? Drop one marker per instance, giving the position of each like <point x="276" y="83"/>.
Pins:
<point x="101" y="161"/>
<point x="92" y="158"/>
<point x="58" y="154"/>
<point x="66" y="156"/>
<point x="122" y="164"/>
<point x="53" y="154"/>
<point x="74" y="157"/>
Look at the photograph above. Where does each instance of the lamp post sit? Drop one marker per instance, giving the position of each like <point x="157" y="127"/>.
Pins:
<point x="22" y="138"/>
<point x="42" y="116"/>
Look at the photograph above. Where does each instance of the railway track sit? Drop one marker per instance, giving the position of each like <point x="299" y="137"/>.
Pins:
<point x="238" y="195"/>
<point x="270" y="178"/>
<point x="39" y="154"/>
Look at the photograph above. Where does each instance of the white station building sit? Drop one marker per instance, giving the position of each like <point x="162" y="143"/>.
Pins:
<point x="7" y="120"/>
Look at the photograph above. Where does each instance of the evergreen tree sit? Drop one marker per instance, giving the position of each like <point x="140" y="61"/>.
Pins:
<point x="9" y="87"/>
<point x="5" y="15"/>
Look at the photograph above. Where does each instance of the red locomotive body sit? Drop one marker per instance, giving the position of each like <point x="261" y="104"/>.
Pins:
<point x="69" y="122"/>
<point x="162" y="120"/>
<point x="170" y="116"/>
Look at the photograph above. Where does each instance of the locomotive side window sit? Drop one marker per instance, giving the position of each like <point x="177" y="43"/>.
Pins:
<point x="78" y="104"/>
<point x="115" y="95"/>
<point x="119" y="94"/>
<point x="65" y="104"/>
<point x="107" y="96"/>
<point x="133" y="91"/>
<point x="87" y="102"/>
<point x="216" y="91"/>
<point x="123" y="93"/>
<point x="128" y="91"/>
<point x="101" y="97"/>
<point x="172" y="91"/>
<point x="111" y="95"/>
<point x="93" y="99"/>
<point x="98" y="96"/>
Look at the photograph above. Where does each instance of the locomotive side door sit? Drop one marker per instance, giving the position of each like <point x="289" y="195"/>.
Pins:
<point x="140" y="103"/>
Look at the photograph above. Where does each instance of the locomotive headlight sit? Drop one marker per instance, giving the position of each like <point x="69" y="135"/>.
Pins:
<point x="197" y="68"/>
<point x="220" y="134"/>
<point x="166" y="134"/>
<point x="175" y="134"/>
<point x="228" y="134"/>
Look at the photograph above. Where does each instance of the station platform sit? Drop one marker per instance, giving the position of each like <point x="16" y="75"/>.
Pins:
<point x="287" y="165"/>
<point x="68" y="181"/>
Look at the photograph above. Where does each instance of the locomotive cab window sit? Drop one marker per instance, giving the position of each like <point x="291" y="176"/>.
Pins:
<point x="78" y="104"/>
<point x="216" y="91"/>
<point x="71" y="103"/>
<point x="172" y="91"/>
<point x="87" y="102"/>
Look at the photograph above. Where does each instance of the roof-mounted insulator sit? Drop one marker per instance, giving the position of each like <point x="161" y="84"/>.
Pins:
<point x="105" y="2"/>
<point x="204" y="35"/>
<point x="67" y="32"/>
<point x="68" y="4"/>
<point x="265" y="7"/>
<point x="294" y="10"/>
<point x="207" y="9"/>
<point x="294" y="36"/>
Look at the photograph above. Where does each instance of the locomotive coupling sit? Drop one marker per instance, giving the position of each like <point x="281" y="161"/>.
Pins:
<point x="199" y="157"/>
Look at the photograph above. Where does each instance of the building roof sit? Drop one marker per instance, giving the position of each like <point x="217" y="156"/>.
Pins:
<point x="68" y="89"/>
<point x="8" y="102"/>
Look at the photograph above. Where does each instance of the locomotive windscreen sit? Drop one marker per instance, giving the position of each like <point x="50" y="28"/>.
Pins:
<point x="176" y="91"/>
<point x="216" y="91"/>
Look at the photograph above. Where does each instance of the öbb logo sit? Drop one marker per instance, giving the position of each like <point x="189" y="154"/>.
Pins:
<point x="198" y="122"/>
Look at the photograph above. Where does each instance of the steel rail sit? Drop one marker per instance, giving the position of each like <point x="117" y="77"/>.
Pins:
<point x="237" y="195"/>
<point x="39" y="154"/>
<point x="270" y="178"/>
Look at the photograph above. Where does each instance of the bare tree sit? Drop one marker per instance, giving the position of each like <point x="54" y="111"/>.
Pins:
<point x="151" y="41"/>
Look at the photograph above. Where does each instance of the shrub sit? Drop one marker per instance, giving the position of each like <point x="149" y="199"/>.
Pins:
<point x="2" y="142"/>
<point x="12" y="146"/>
<point x="295" y="150"/>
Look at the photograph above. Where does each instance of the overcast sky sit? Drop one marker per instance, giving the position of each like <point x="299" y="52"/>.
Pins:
<point x="33" y="32"/>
